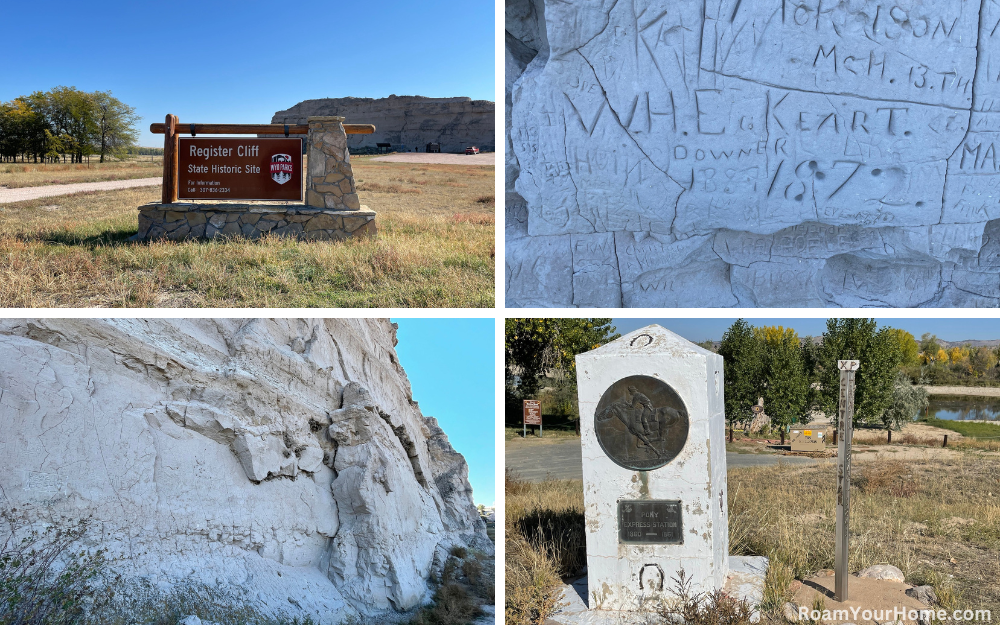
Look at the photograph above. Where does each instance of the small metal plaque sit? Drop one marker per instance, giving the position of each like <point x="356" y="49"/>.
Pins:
<point x="644" y="521"/>
<point x="641" y="423"/>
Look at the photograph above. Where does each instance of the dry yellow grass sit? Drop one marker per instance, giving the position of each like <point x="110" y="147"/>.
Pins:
<point x="939" y="522"/>
<point x="16" y="175"/>
<point x="543" y="524"/>
<point x="72" y="251"/>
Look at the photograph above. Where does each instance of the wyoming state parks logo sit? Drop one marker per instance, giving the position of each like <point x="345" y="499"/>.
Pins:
<point x="281" y="168"/>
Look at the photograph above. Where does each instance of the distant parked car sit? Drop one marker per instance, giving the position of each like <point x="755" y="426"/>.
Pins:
<point x="472" y="150"/>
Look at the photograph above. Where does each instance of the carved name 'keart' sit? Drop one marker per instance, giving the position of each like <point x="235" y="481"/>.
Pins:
<point x="752" y="152"/>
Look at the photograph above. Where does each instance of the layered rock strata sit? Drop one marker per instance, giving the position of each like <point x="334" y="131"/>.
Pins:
<point x="406" y="122"/>
<point x="751" y="153"/>
<point x="281" y="461"/>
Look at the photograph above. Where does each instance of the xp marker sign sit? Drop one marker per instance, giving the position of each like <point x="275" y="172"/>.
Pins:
<point x="239" y="169"/>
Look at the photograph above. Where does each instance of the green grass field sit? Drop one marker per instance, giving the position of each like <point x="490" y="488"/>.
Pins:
<point x="435" y="248"/>
<point x="972" y="430"/>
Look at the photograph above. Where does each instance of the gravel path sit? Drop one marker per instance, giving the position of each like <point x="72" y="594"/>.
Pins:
<point x="33" y="193"/>
<point x="536" y="460"/>
<point x="440" y="159"/>
<point x="976" y="391"/>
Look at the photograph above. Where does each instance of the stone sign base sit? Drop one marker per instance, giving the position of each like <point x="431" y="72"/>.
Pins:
<point x="196" y="221"/>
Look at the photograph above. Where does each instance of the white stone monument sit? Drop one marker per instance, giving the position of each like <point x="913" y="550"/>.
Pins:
<point x="652" y="417"/>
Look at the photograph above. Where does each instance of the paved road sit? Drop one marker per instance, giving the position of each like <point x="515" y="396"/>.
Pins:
<point x="488" y="158"/>
<point x="33" y="193"/>
<point x="534" y="460"/>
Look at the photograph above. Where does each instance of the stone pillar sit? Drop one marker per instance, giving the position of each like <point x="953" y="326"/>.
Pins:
<point x="330" y="180"/>
<point x="652" y="419"/>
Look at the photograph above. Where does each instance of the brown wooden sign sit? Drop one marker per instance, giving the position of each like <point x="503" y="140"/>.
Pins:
<point x="532" y="412"/>
<point x="239" y="169"/>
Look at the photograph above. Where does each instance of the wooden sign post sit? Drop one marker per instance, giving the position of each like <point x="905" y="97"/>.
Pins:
<point x="532" y="415"/>
<point x="845" y="430"/>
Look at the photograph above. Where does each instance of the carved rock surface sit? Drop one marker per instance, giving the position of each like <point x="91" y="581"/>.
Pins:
<point x="407" y="121"/>
<point x="837" y="154"/>
<point x="284" y="458"/>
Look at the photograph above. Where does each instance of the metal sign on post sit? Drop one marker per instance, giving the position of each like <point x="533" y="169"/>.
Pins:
<point x="239" y="169"/>
<point x="845" y="430"/>
<point x="532" y="415"/>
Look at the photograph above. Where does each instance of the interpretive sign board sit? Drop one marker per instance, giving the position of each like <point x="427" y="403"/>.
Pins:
<point x="247" y="168"/>
<point x="532" y="412"/>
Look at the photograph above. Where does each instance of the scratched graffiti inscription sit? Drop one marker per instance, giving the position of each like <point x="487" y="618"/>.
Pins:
<point x="800" y="128"/>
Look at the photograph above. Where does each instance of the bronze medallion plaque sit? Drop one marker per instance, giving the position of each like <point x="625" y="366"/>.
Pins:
<point x="641" y="423"/>
<point x="646" y="521"/>
<point x="239" y="169"/>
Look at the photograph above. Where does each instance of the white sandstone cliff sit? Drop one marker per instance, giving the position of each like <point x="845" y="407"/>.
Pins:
<point x="282" y="463"/>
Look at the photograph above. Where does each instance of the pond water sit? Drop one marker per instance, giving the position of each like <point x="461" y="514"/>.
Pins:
<point x="955" y="408"/>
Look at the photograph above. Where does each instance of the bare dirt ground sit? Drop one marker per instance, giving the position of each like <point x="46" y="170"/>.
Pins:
<point x="439" y="159"/>
<point x="978" y="391"/>
<point x="23" y="194"/>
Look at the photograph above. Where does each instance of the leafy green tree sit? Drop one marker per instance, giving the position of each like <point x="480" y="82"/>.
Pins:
<point x="116" y="125"/>
<point x="982" y="360"/>
<point x="575" y="336"/>
<point x="535" y="347"/>
<point x="525" y="343"/>
<point x="785" y="384"/>
<point x="907" y="401"/>
<point x="909" y="351"/>
<point x="879" y="356"/>
<point x="929" y="345"/>
<point x="743" y="370"/>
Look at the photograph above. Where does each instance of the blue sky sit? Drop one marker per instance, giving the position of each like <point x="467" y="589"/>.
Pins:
<point x="450" y="363"/>
<point x="241" y="61"/>
<point x="699" y="330"/>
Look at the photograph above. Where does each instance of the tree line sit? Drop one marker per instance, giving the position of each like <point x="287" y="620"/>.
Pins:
<point x="796" y="377"/>
<point x="65" y="122"/>
<point x="960" y="364"/>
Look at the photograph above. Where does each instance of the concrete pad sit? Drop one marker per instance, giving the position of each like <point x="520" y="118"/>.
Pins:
<point x="746" y="581"/>
<point x="864" y="594"/>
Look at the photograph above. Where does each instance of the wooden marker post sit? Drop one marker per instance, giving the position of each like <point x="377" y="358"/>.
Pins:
<point x="845" y="430"/>
<point x="170" y="136"/>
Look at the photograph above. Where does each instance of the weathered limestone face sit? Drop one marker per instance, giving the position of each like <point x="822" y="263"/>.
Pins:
<point x="330" y="179"/>
<point x="652" y="422"/>
<point x="281" y="461"/>
<point x="751" y="153"/>
<point x="407" y="122"/>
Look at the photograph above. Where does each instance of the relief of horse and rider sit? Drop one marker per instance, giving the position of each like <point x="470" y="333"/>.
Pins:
<point x="650" y="431"/>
